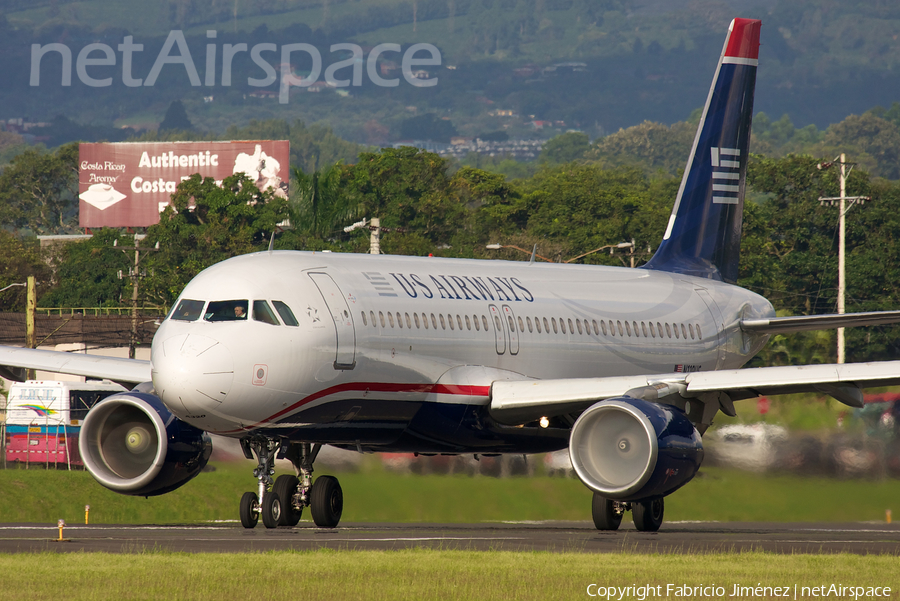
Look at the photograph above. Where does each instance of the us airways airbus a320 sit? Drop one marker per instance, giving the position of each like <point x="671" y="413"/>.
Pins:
<point x="288" y="351"/>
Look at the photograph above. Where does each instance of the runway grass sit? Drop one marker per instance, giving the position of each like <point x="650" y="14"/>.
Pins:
<point x="375" y="495"/>
<point x="423" y="575"/>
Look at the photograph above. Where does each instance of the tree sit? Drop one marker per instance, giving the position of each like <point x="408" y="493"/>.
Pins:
<point x="319" y="204"/>
<point x="427" y="127"/>
<point x="87" y="272"/>
<point x="204" y="224"/>
<point x="565" y="148"/>
<point x="18" y="260"/>
<point x="652" y="146"/>
<point x="176" y="118"/>
<point x="39" y="191"/>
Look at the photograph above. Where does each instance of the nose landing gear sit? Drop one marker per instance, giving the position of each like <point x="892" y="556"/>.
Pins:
<point x="283" y="505"/>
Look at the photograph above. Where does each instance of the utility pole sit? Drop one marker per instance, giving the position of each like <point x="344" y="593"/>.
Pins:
<point x="842" y="201"/>
<point x="135" y="275"/>
<point x="375" y="236"/>
<point x="30" y="311"/>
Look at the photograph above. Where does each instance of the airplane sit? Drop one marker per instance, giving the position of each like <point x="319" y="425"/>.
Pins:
<point x="287" y="351"/>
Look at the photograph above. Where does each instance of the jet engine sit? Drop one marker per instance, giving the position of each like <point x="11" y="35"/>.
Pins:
<point x="133" y="445"/>
<point x="628" y="449"/>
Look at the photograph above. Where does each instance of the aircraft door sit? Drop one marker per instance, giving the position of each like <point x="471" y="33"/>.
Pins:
<point x="499" y="330"/>
<point x="510" y="320"/>
<point x="345" y="354"/>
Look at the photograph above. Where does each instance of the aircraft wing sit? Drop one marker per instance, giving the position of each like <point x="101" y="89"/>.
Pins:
<point x="518" y="402"/>
<point x="132" y="371"/>
<point x="802" y="323"/>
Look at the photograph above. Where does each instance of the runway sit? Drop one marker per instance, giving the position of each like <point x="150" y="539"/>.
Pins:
<point x="674" y="537"/>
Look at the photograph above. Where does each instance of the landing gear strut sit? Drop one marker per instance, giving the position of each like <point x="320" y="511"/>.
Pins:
<point x="607" y="514"/>
<point x="283" y="505"/>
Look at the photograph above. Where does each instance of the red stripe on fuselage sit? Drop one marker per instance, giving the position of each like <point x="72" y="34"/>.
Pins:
<point x="457" y="389"/>
<point x="744" y="39"/>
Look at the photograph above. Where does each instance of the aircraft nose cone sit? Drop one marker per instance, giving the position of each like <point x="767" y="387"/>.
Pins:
<point x="194" y="371"/>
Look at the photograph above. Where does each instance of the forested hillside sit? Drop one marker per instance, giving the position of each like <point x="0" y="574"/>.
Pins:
<point x="593" y="65"/>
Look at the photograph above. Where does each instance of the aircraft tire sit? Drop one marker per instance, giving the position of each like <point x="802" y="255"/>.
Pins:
<point x="249" y="510"/>
<point x="648" y="515"/>
<point x="285" y="487"/>
<point x="603" y="511"/>
<point x="326" y="501"/>
<point x="271" y="510"/>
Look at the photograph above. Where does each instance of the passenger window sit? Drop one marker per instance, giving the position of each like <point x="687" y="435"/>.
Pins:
<point x="602" y="326"/>
<point x="365" y="323"/>
<point x="580" y="330"/>
<point x="628" y="328"/>
<point x="188" y="310"/>
<point x="528" y="321"/>
<point x="555" y="328"/>
<point x="521" y="325"/>
<point x="497" y="324"/>
<point x="381" y="318"/>
<point x="408" y="322"/>
<point x="572" y="326"/>
<point x="232" y="310"/>
<point x="477" y="325"/>
<point x="546" y="326"/>
<point x="691" y="330"/>
<point x="668" y="331"/>
<point x="262" y="312"/>
<point x="562" y="325"/>
<point x="399" y="321"/>
<point x="425" y="320"/>
<point x="644" y="329"/>
<point x="459" y="322"/>
<point x="391" y="318"/>
<point x="468" y="323"/>
<point x="537" y="324"/>
<point x="698" y="332"/>
<point x="659" y="329"/>
<point x="683" y="332"/>
<point x="636" y="331"/>
<point x="450" y="319"/>
<point x="433" y="321"/>
<point x="484" y="323"/>
<point x="416" y="317"/>
<point x="443" y="323"/>
<point x="512" y="324"/>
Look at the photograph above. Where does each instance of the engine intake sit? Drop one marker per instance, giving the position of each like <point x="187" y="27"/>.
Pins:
<point x="632" y="450"/>
<point x="133" y="445"/>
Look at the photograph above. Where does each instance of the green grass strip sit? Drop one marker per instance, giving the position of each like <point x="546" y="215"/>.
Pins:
<point x="373" y="495"/>
<point x="421" y="575"/>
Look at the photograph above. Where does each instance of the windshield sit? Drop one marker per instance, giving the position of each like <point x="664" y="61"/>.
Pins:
<point x="188" y="310"/>
<point x="230" y="310"/>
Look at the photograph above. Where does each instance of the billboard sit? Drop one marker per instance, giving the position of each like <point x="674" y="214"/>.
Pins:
<point x="130" y="184"/>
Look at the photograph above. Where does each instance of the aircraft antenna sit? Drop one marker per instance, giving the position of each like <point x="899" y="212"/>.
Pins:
<point x="533" y="253"/>
<point x="272" y="242"/>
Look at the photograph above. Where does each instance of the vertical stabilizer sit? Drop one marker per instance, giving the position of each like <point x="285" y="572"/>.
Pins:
<point x="703" y="237"/>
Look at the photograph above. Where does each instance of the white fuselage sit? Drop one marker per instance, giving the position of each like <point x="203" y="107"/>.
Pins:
<point x="409" y="331"/>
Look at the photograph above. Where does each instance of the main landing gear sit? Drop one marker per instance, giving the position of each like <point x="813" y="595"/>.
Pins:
<point x="607" y="514"/>
<point x="283" y="504"/>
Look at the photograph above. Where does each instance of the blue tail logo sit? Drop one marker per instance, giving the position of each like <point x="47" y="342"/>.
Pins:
<point x="703" y="237"/>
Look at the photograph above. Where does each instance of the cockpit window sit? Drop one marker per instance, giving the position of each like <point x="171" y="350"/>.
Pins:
<point x="262" y="312"/>
<point x="188" y="310"/>
<point x="287" y="316"/>
<point x="230" y="310"/>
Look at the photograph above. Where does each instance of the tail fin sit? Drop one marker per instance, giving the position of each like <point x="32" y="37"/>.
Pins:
<point x="703" y="237"/>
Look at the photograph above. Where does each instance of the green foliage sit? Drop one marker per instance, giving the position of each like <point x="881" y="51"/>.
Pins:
<point x="651" y="146"/>
<point x="176" y="118"/>
<point x="205" y="224"/>
<point x="565" y="148"/>
<point x="19" y="259"/>
<point x="427" y="127"/>
<point x="87" y="272"/>
<point x="39" y="191"/>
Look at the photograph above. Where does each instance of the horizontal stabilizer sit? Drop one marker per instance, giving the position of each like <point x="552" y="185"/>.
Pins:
<point x="804" y="323"/>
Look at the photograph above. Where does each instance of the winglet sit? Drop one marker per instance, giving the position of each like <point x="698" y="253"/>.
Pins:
<point x="703" y="236"/>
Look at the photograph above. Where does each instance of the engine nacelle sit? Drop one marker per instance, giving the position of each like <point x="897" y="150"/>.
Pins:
<point x="632" y="450"/>
<point x="133" y="445"/>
